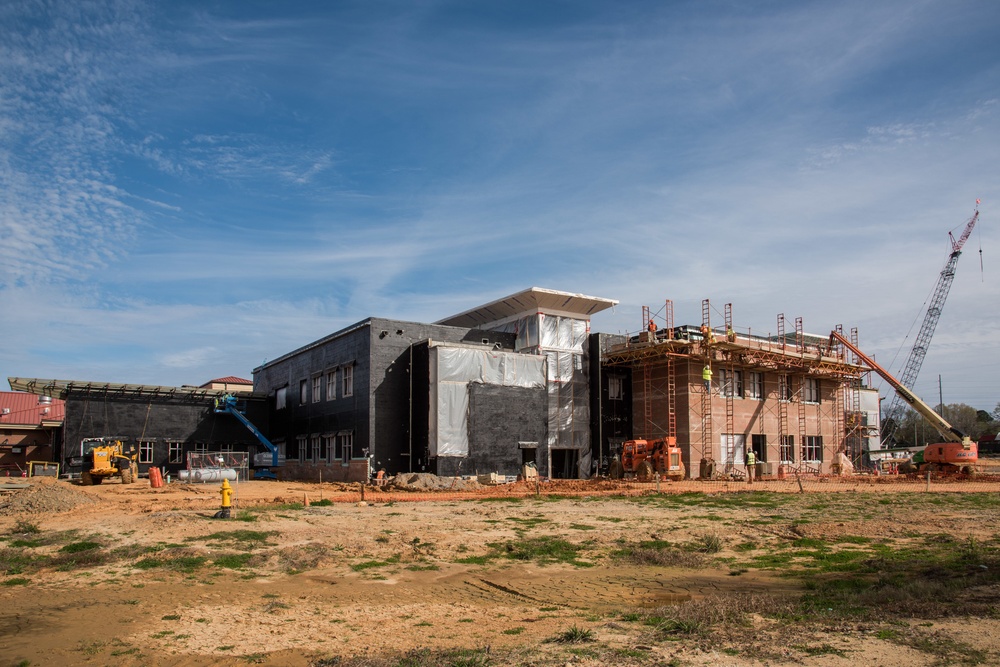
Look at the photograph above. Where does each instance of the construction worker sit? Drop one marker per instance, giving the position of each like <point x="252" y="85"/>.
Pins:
<point x="651" y="328"/>
<point x="751" y="465"/>
<point x="730" y="335"/>
<point x="706" y="375"/>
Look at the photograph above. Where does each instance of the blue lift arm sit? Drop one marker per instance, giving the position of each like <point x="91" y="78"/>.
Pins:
<point x="228" y="404"/>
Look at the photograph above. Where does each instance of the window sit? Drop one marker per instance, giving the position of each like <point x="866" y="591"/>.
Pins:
<point x="145" y="451"/>
<point x="732" y="446"/>
<point x="812" y="448"/>
<point x="811" y="389"/>
<point x="303" y="392"/>
<point x="302" y="445"/>
<point x="292" y="453"/>
<point x="756" y="387"/>
<point x="279" y="398"/>
<point x="327" y="447"/>
<point x="614" y="388"/>
<point x="787" y="454"/>
<point x="331" y="385"/>
<point x="175" y="452"/>
<point x="348" y="384"/>
<point x="785" y="387"/>
<point x="758" y="443"/>
<point x="317" y="388"/>
<point x="731" y="383"/>
<point x="346" y="447"/>
<point x="201" y="448"/>
<point x="316" y="443"/>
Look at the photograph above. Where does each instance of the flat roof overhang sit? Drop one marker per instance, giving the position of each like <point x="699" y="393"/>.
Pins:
<point x="529" y="301"/>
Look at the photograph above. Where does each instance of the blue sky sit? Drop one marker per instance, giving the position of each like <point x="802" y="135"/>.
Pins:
<point x="190" y="188"/>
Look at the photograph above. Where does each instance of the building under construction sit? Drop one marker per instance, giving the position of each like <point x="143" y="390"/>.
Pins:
<point x="792" y="398"/>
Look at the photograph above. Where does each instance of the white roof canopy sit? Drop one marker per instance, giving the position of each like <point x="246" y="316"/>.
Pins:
<point x="529" y="301"/>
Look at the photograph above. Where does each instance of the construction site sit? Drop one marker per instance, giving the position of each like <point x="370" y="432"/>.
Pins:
<point x="504" y="487"/>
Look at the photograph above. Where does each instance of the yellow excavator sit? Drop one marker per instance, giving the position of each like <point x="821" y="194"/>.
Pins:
<point x="107" y="457"/>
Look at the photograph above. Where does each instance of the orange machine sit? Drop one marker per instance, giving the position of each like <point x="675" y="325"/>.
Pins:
<point x="958" y="454"/>
<point x="644" y="458"/>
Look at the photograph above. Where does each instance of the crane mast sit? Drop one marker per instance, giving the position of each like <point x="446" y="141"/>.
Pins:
<point x="892" y="416"/>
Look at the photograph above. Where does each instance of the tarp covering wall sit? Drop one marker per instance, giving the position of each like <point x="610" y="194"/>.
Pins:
<point x="452" y="369"/>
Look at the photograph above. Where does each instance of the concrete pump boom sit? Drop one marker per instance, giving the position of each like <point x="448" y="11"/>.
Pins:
<point x="947" y="431"/>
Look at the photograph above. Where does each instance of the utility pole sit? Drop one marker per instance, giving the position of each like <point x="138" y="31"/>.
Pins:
<point x="940" y="397"/>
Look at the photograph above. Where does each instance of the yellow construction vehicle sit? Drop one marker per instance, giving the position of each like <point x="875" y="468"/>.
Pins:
<point x="107" y="457"/>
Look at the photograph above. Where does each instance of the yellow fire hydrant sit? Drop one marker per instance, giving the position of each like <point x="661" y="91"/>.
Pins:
<point x="227" y="500"/>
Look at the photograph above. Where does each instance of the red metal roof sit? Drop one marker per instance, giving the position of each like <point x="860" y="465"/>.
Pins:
<point x="29" y="409"/>
<point x="230" y="379"/>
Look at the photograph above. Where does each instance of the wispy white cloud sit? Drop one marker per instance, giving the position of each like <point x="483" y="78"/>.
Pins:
<point x="174" y="177"/>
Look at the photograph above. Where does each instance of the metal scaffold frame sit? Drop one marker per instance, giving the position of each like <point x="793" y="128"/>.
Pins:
<point x="656" y="354"/>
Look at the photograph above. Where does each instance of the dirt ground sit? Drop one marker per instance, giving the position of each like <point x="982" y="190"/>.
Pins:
<point x="324" y="583"/>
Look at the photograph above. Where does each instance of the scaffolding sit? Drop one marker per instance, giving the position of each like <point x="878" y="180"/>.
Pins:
<point x="657" y="356"/>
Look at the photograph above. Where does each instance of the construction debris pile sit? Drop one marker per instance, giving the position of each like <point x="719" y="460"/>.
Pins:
<point x="419" y="481"/>
<point x="45" y="495"/>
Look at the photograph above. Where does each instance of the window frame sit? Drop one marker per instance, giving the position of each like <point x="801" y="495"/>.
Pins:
<point x="731" y="386"/>
<point x="786" y="449"/>
<point x="785" y="392"/>
<point x="812" y="449"/>
<point x="331" y="385"/>
<point x="755" y="385"/>
<point x="317" y="388"/>
<point x="175" y="451"/>
<point x="810" y="390"/>
<point x="281" y="398"/>
<point x="146" y="451"/>
<point x="303" y="391"/>
<point x="346" y="443"/>
<point x="616" y="388"/>
<point x="347" y="382"/>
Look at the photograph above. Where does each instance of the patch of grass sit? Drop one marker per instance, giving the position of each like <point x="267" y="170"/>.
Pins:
<point x="77" y="547"/>
<point x="581" y="526"/>
<point x="185" y="564"/>
<point x="543" y="550"/>
<point x="514" y="631"/>
<point x="416" y="567"/>
<point x="369" y="564"/>
<point x="16" y="581"/>
<point x="26" y="544"/>
<point x="528" y="522"/>
<point x="473" y="560"/>
<point x="574" y="635"/>
<point x="25" y="527"/>
<point x="245" y="539"/>
<point x="823" y="649"/>
<point x="325" y="502"/>
<point x="171" y="617"/>
<point x="232" y="561"/>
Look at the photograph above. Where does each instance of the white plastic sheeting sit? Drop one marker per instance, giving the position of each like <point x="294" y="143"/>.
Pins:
<point x="563" y="342"/>
<point x="452" y="369"/>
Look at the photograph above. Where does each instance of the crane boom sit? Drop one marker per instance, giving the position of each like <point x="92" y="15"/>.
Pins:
<point x="947" y="431"/>
<point x="923" y="341"/>
<point x="228" y="404"/>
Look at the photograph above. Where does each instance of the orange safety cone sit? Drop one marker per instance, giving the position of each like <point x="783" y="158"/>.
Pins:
<point x="305" y="500"/>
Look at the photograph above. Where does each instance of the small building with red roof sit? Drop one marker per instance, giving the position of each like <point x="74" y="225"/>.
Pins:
<point x="30" y="429"/>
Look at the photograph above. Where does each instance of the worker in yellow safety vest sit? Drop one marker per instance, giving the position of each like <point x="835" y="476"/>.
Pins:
<point x="706" y="375"/>
<point x="751" y="465"/>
